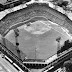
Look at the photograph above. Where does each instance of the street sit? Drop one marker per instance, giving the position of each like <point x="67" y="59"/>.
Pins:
<point x="5" y="66"/>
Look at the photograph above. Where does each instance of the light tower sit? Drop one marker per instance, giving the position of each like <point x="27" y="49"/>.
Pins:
<point x="58" y="45"/>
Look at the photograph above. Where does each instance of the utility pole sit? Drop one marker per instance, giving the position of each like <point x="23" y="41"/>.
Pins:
<point x="58" y="45"/>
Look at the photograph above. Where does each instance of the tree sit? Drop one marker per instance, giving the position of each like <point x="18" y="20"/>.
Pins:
<point x="68" y="65"/>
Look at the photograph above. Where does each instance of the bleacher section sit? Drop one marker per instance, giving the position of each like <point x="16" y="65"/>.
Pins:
<point x="32" y="11"/>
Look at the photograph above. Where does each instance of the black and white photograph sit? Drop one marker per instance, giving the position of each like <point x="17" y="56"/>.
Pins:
<point x="35" y="35"/>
